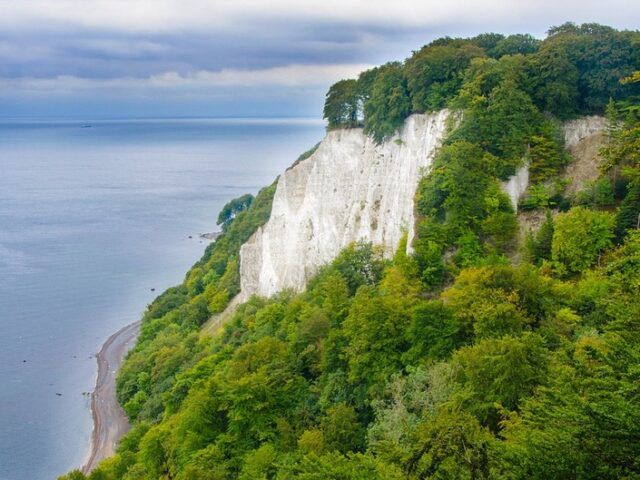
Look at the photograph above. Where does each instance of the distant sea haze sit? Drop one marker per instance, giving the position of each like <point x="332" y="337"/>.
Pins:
<point x="93" y="215"/>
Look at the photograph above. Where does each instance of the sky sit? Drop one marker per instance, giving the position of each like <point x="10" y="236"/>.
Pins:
<point x="220" y="58"/>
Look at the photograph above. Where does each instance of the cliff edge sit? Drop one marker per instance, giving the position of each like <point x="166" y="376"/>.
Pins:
<point x="349" y="189"/>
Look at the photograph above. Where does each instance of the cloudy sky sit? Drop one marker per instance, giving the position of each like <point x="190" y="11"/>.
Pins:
<point x="118" y="58"/>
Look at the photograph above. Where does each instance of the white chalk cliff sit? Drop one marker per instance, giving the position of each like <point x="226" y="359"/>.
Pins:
<point x="579" y="135"/>
<point x="350" y="189"/>
<point x="581" y="129"/>
<point x="583" y="138"/>
<point x="516" y="185"/>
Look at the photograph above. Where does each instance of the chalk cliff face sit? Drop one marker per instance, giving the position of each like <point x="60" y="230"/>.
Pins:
<point x="576" y="131"/>
<point x="583" y="137"/>
<point x="517" y="185"/>
<point x="350" y="189"/>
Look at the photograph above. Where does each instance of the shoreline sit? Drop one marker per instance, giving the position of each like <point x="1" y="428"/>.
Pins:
<point x="109" y="420"/>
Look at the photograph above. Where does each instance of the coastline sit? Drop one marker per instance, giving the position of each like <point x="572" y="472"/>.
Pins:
<point x="109" y="420"/>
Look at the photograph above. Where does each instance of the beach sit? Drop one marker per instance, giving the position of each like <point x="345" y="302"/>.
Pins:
<point x="109" y="420"/>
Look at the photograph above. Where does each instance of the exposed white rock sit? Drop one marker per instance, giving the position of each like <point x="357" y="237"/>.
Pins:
<point x="350" y="189"/>
<point x="582" y="128"/>
<point x="583" y="137"/>
<point x="517" y="185"/>
<point x="578" y="135"/>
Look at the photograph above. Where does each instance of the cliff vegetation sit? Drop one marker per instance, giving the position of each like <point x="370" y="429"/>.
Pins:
<point x="481" y="355"/>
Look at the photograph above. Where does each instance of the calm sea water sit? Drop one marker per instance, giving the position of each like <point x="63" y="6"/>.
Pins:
<point x="90" y="220"/>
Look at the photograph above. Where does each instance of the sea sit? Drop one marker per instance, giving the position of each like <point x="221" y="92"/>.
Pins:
<point x="97" y="217"/>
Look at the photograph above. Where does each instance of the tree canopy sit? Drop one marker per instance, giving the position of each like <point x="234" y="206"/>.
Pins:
<point x="574" y="71"/>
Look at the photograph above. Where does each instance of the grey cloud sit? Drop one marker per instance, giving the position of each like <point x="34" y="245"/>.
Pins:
<point x="101" y="45"/>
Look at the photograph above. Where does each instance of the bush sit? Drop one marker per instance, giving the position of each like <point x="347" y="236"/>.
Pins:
<point x="579" y="238"/>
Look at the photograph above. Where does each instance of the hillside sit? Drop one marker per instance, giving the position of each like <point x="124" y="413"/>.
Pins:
<point x="465" y="311"/>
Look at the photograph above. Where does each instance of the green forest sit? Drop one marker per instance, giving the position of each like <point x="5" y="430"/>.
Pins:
<point x="484" y="354"/>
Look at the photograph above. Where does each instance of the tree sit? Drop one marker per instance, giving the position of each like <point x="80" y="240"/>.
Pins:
<point x="546" y="158"/>
<point x="511" y="120"/>
<point x="153" y="453"/>
<point x="457" y="184"/>
<point x="232" y="209"/>
<point x="585" y="422"/>
<point x="428" y="252"/>
<point x="312" y="441"/>
<point x="485" y="74"/>
<point x="341" y="104"/>
<point x="515" y="44"/>
<point x="600" y="56"/>
<point x="451" y="445"/>
<point x="341" y="430"/>
<point x="334" y="466"/>
<point x="374" y="329"/>
<point x="434" y="74"/>
<point x="487" y="41"/>
<point x="500" y="224"/>
<point x="628" y="216"/>
<point x="389" y="103"/>
<point x="499" y="373"/>
<point x="260" y="463"/>
<point x="433" y="333"/>
<point x="540" y="243"/>
<point x="359" y="264"/>
<point x="579" y="237"/>
<point x="623" y="150"/>
<point x="73" y="475"/>
<point x="366" y="80"/>
<point x="553" y="81"/>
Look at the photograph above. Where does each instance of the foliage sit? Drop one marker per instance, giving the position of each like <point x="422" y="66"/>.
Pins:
<point x="539" y="244"/>
<point x="304" y="155"/>
<point x="498" y="373"/>
<point x="553" y="80"/>
<point x="380" y="383"/>
<point x="231" y="210"/>
<point x="449" y="362"/>
<point x="453" y="445"/>
<point x="575" y="70"/>
<point x="546" y="156"/>
<point x="597" y="193"/>
<point x="341" y="105"/>
<point x="628" y="216"/>
<point x="435" y="72"/>
<point x="523" y="44"/>
<point x="463" y="208"/>
<point x="580" y="68"/>
<point x="579" y="237"/>
<point x="168" y="341"/>
<point x="388" y="104"/>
